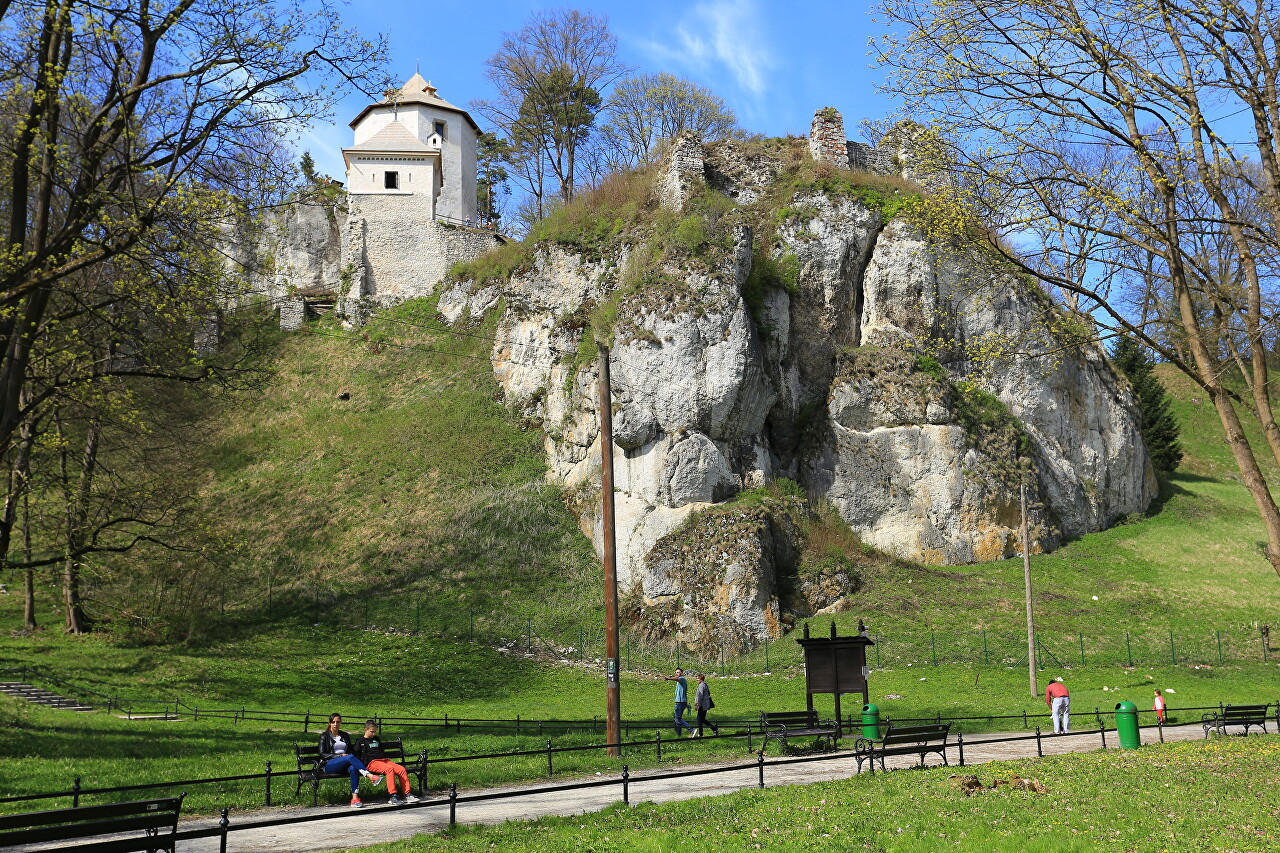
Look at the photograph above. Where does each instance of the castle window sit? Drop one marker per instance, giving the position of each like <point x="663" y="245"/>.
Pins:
<point x="391" y="180"/>
<point x="440" y="129"/>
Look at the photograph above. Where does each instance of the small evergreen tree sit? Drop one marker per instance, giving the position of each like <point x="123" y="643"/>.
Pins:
<point x="1159" y="427"/>
<point x="308" y="167"/>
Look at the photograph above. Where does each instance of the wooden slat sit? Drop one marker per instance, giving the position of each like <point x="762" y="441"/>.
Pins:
<point x="96" y="812"/>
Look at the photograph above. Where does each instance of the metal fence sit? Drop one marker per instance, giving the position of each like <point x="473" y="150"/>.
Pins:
<point x="224" y="828"/>
<point x="748" y="731"/>
<point x="1145" y="646"/>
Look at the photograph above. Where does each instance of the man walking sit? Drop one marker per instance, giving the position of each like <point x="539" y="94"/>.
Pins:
<point x="1058" y="699"/>
<point x="682" y="700"/>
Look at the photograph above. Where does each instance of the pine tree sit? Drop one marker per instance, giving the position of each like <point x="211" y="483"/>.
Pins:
<point x="1159" y="427"/>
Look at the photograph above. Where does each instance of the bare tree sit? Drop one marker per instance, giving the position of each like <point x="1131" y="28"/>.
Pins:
<point x="549" y="77"/>
<point x="1021" y="87"/>
<point x="646" y="110"/>
<point x="122" y="117"/>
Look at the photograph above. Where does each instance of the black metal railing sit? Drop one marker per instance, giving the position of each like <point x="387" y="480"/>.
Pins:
<point x="624" y="781"/>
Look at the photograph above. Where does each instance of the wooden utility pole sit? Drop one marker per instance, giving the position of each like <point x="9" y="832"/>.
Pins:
<point x="1026" y="575"/>
<point x="613" y="729"/>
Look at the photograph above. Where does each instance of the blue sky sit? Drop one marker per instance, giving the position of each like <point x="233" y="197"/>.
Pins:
<point x="774" y="63"/>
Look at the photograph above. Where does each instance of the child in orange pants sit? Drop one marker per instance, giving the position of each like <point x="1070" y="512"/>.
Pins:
<point x="369" y="750"/>
<point x="1158" y="707"/>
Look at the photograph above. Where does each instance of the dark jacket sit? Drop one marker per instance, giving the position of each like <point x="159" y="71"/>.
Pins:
<point x="702" y="699"/>
<point x="326" y="744"/>
<point x="369" y="749"/>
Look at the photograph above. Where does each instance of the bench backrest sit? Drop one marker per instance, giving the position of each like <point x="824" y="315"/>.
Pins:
<point x="915" y="734"/>
<point x="308" y="757"/>
<point x="1251" y="712"/>
<point x="309" y="754"/>
<point x="393" y="749"/>
<point x="790" y="718"/>
<point x="159" y="816"/>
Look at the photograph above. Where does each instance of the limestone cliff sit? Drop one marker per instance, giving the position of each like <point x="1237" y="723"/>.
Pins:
<point x="800" y="328"/>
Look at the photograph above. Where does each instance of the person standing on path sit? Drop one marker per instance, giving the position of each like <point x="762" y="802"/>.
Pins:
<point x="1158" y="707"/>
<point x="682" y="700"/>
<point x="1058" y="699"/>
<point x="702" y="704"/>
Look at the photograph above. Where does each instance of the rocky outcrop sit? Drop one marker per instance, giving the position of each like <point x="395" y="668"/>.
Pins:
<point x="849" y="367"/>
<point x="306" y="241"/>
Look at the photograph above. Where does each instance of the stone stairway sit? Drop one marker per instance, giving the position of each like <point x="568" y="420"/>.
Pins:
<point x="38" y="696"/>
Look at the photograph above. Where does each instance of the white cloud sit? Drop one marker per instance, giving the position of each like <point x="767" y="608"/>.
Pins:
<point x="714" y="35"/>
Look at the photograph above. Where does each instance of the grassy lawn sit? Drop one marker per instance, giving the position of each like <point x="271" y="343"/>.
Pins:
<point x="1197" y="796"/>
<point x="309" y="668"/>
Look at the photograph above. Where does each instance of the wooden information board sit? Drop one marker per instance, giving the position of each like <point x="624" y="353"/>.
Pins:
<point x="836" y="665"/>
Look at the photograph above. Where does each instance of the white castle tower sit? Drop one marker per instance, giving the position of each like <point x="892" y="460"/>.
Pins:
<point x="411" y="184"/>
<point x="413" y="143"/>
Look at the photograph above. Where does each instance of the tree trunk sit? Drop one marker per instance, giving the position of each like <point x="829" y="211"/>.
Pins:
<point x="77" y="513"/>
<point x="28" y="574"/>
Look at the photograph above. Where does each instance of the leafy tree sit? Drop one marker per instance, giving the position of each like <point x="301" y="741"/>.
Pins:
<point x="1182" y="100"/>
<point x="648" y="109"/>
<point x="492" y="154"/>
<point x="549" y="76"/>
<point x="1159" y="427"/>
<point x="131" y="131"/>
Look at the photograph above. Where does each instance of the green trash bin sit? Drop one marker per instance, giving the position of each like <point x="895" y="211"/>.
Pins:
<point x="1127" y="725"/>
<point x="870" y="722"/>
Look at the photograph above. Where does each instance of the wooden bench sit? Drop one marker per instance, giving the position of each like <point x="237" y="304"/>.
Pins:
<point x="157" y="820"/>
<point x="904" y="740"/>
<point x="311" y="767"/>
<point x="1235" y="715"/>
<point x="781" y="725"/>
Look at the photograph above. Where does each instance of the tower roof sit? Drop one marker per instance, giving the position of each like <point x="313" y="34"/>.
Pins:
<point x="414" y="91"/>
<point x="395" y="137"/>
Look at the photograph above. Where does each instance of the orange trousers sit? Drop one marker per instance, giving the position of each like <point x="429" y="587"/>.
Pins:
<point x="392" y="771"/>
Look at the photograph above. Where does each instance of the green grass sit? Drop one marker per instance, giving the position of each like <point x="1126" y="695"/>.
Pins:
<point x="1177" y="797"/>
<point x="421" y="496"/>
<point x="375" y="466"/>
<point x="358" y="673"/>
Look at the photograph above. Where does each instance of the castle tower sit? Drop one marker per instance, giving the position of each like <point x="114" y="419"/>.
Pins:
<point x="411" y="189"/>
<point x="415" y="143"/>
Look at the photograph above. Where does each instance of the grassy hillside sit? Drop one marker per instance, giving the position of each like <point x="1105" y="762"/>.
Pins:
<point x="379" y="470"/>
<point x="376" y="481"/>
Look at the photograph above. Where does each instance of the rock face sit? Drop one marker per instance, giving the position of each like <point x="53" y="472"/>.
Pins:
<point x="854" y="377"/>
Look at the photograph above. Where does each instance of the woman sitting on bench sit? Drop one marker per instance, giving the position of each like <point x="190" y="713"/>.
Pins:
<point x="337" y="753"/>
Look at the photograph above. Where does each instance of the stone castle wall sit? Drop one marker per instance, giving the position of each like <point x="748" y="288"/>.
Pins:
<point x="826" y="137"/>
<point x="396" y="251"/>
<point x="827" y="143"/>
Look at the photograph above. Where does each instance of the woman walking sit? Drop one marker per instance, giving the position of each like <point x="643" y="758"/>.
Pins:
<point x="336" y="751"/>
<point x="702" y="704"/>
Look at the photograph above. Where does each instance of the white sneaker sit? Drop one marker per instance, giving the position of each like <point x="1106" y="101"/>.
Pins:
<point x="410" y="798"/>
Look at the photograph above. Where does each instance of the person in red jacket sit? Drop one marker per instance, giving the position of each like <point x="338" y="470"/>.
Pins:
<point x="1058" y="699"/>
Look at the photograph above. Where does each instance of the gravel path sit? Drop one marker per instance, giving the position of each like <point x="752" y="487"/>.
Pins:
<point x="380" y="823"/>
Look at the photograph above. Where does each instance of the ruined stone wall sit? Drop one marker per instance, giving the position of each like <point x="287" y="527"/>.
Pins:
<point x="869" y="158"/>
<point x="827" y="143"/>
<point x="826" y="137"/>
<point x="394" y="249"/>
<point x="683" y="176"/>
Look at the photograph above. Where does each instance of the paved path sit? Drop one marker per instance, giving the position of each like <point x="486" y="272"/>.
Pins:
<point x="381" y="823"/>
